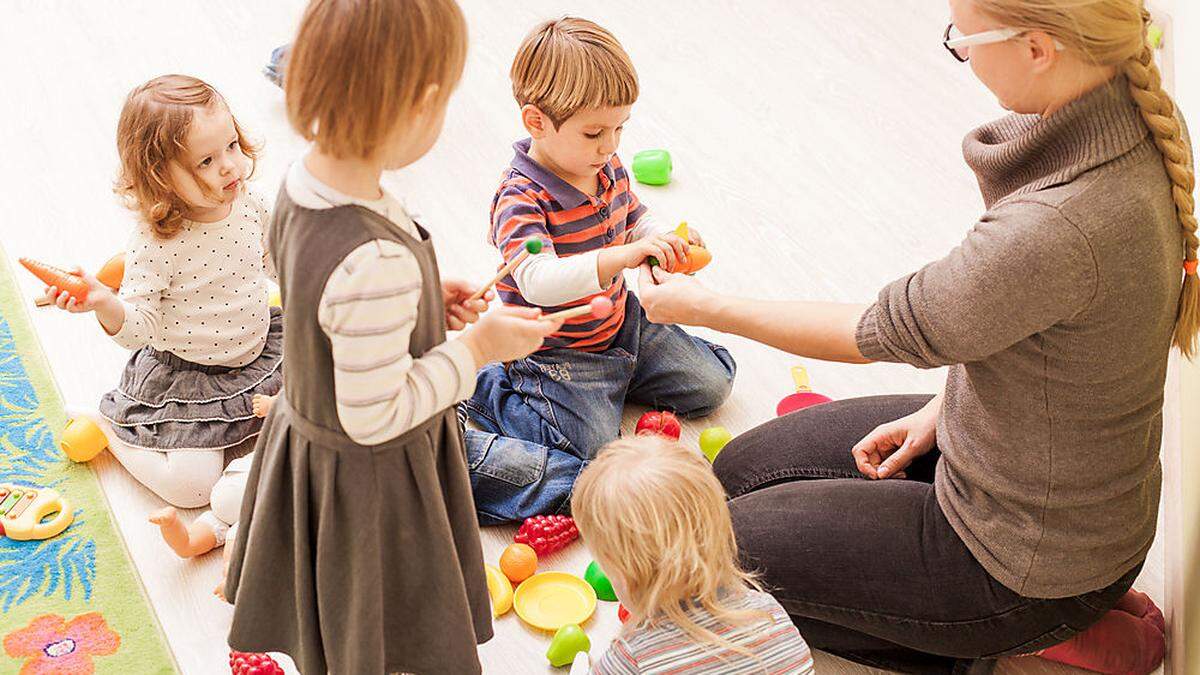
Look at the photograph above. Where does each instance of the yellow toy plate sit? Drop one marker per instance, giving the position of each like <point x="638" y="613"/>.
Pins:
<point x="551" y="600"/>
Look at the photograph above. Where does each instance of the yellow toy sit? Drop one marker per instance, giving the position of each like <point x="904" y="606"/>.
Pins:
<point x="500" y="589"/>
<point x="23" y="508"/>
<point x="82" y="440"/>
<point x="551" y="600"/>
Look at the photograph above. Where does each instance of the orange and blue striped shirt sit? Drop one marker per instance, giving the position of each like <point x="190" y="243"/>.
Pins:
<point x="533" y="201"/>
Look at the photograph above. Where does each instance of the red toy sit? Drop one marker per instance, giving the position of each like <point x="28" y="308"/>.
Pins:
<point x="659" y="422"/>
<point x="804" y="397"/>
<point x="547" y="534"/>
<point x="622" y="613"/>
<point x="245" y="663"/>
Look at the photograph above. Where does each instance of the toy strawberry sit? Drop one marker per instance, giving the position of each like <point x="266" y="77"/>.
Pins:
<point x="547" y="534"/>
<point x="246" y="663"/>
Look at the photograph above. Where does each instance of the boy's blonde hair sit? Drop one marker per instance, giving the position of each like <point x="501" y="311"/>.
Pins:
<point x="1114" y="33"/>
<point x="569" y="64"/>
<point x="150" y="135"/>
<point x="653" y="513"/>
<point x="358" y="68"/>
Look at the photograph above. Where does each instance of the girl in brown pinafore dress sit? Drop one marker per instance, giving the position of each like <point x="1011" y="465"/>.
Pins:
<point x="354" y="558"/>
<point x="358" y="548"/>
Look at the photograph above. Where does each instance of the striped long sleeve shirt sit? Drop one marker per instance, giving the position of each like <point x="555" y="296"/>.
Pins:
<point x="665" y="649"/>
<point x="368" y="310"/>
<point x="533" y="201"/>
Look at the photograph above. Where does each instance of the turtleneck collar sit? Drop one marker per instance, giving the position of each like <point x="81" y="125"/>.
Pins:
<point x="1019" y="154"/>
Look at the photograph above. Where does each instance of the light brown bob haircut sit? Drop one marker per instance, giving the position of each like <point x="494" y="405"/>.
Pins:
<point x="359" y="68"/>
<point x="570" y="64"/>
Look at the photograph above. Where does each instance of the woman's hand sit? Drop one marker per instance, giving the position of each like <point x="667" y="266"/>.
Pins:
<point x="460" y="312"/>
<point x="891" y="447"/>
<point x="673" y="298"/>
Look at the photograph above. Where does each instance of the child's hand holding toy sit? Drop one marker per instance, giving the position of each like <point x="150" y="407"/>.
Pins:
<point x="509" y="333"/>
<point x="77" y="291"/>
<point x="462" y="307"/>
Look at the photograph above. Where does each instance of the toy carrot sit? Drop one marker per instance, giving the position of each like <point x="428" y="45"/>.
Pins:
<point x="698" y="257"/>
<point x="73" y="284"/>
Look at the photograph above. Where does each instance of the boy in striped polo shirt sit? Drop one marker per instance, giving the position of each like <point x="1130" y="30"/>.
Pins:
<point x="543" y="417"/>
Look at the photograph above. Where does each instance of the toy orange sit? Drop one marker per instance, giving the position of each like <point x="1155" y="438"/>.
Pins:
<point x="113" y="272"/>
<point x="518" y="562"/>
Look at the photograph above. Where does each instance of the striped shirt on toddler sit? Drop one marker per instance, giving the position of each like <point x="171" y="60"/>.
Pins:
<point x="664" y="648"/>
<point x="533" y="202"/>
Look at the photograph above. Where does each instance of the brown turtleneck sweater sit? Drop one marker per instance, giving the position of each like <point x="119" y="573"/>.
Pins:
<point x="1055" y="316"/>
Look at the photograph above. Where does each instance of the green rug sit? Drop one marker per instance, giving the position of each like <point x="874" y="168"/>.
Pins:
<point x="74" y="603"/>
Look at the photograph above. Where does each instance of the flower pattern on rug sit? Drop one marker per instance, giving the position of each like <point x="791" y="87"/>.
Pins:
<point x="53" y="645"/>
<point x="62" y="565"/>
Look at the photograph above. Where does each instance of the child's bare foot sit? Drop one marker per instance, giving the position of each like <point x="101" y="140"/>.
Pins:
<point x="185" y="541"/>
<point x="263" y="404"/>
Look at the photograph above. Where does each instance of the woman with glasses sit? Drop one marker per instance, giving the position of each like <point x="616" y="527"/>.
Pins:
<point x="1011" y="513"/>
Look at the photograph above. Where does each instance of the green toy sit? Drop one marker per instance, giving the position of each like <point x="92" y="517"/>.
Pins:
<point x="599" y="582"/>
<point x="713" y="440"/>
<point x="1154" y="35"/>
<point x="567" y="643"/>
<point x="652" y="167"/>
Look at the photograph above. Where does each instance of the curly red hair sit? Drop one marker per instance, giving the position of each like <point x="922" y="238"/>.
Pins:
<point x="150" y="134"/>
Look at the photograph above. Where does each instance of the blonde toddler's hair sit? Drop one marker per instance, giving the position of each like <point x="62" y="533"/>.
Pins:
<point x="653" y="512"/>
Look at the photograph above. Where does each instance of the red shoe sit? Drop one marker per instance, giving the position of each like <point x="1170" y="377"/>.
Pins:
<point x="1120" y="643"/>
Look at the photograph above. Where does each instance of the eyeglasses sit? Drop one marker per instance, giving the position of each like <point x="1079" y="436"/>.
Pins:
<point x="959" y="45"/>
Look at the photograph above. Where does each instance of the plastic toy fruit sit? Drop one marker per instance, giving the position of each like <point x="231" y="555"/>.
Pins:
<point x="73" y="284"/>
<point x="652" y="167"/>
<point x="659" y="422"/>
<point x="245" y="663"/>
<point x="547" y="534"/>
<point x="713" y="440"/>
<point x="698" y="257"/>
<point x="803" y="398"/>
<point x="599" y="582"/>
<point x="518" y="562"/>
<point x="82" y="440"/>
<point x="23" y="509"/>
<point x="568" y="641"/>
<point x="112" y="273"/>
<point x="500" y="590"/>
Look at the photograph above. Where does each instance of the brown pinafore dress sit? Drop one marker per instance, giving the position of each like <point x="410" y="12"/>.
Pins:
<point x="354" y="559"/>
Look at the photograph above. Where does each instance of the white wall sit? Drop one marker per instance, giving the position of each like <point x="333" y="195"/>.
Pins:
<point x="1182" y="443"/>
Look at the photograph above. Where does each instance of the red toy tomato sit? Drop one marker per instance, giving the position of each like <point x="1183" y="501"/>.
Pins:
<point x="659" y="422"/>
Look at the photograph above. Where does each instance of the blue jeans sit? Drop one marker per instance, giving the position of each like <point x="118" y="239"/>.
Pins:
<point x="542" y="418"/>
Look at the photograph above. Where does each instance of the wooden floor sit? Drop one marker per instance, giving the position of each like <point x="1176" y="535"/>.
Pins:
<point x="816" y="146"/>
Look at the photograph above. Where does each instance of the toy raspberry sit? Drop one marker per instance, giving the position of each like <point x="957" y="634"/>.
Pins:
<point x="246" y="663"/>
<point x="547" y="534"/>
